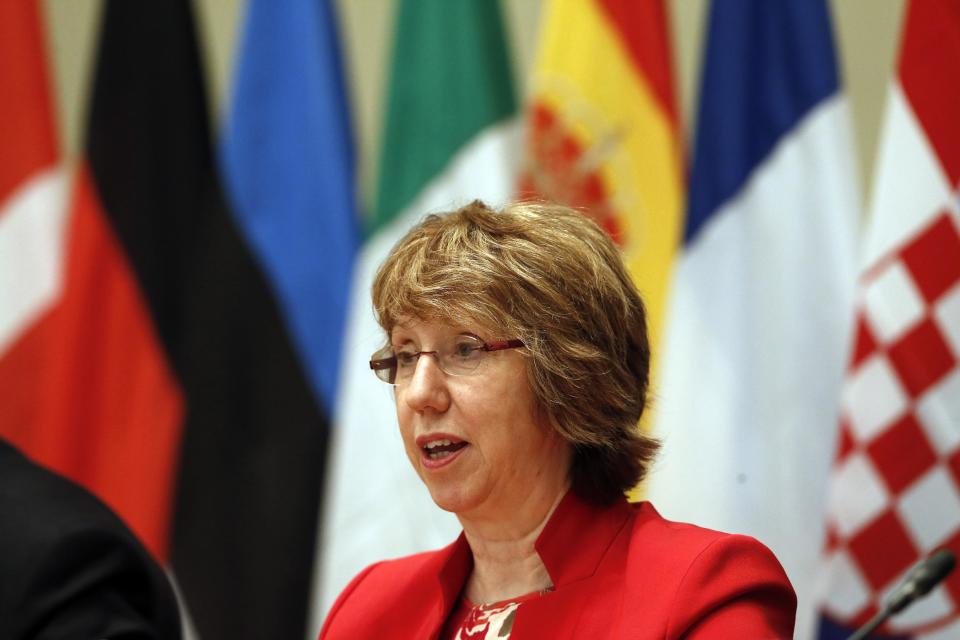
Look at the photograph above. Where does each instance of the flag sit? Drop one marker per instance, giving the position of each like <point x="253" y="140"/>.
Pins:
<point x="288" y="167"/>
<point x="84" y="386"/>
<point x="165" y="378"/>
<point x="760" y="307"/>
<point x="32" y="185"/>
<point x="895" y="483"/>
<point x="603" y="131"/>
<point x="450" y="137"/>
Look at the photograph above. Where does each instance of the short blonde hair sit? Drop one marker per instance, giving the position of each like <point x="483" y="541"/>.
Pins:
<point x="551" y="277"/>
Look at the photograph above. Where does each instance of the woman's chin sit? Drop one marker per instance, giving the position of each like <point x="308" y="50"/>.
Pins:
<point x="454" y="500"/>
<point x="447" y="507"/>
<point x="446" y="502"/>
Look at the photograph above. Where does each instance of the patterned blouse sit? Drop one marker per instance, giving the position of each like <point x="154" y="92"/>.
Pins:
<point x="492" y="621"/>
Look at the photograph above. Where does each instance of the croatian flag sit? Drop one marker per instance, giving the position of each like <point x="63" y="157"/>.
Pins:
<point x="756" y="334"/>
<point x="895" y="487"/>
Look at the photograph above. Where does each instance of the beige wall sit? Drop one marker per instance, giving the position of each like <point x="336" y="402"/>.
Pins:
<point x="867" y="32"/>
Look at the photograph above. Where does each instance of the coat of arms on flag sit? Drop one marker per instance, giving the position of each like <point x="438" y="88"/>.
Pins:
<point x="895" y="487"/>
<point x="603" y="132"/>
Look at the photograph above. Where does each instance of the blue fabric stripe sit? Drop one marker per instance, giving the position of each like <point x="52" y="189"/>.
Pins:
<point x="830" y="630"/>
<point x="766" y="65"/>
<point x="288" y="167"/>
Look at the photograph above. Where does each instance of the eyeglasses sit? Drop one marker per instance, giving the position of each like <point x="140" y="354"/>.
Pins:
<point x="461" y="357"/>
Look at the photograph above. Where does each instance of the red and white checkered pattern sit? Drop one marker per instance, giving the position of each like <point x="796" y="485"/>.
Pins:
<point x="896" y="482"/>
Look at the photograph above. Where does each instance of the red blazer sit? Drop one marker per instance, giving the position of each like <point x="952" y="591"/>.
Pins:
<point x="618" y="572"/>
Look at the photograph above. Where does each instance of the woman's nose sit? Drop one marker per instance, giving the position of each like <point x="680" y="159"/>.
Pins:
<point x="427" y="387"/>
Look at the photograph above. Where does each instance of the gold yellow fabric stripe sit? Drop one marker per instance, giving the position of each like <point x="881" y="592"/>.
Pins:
<point x="587" y="79"/>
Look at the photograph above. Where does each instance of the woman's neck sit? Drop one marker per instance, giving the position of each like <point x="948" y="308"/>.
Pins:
<point x="505" y="560"/>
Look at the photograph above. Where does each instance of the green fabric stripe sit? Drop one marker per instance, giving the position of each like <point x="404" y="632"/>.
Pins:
<point x="450" y="79"/>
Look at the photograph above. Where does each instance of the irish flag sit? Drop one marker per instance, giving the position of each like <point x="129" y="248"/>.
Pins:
<point x="451" y="135"/>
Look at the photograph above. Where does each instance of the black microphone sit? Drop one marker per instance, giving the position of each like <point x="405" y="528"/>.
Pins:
<point x="922" y="578"/>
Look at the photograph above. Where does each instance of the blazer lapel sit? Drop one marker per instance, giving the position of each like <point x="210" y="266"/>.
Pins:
<point x="572" y="546"/>
<point x="451" y="568"/>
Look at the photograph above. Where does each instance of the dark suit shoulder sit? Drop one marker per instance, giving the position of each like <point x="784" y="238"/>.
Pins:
<point x="69" y="566"/>
<point x="43" y="506"/>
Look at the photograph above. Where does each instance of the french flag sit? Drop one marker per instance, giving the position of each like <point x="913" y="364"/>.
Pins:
<point x="758" y="320"/>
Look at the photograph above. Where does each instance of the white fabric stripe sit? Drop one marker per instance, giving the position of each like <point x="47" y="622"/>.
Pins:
<point x="375" y="506"/>
<point x="755" y="348"/>
<point x="32" y="239"/>
<point x="910" y="187"/>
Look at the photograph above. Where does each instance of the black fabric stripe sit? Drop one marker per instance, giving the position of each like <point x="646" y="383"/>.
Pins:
<point x="255" y="439"/>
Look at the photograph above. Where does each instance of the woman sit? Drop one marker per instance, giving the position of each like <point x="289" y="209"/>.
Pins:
<point x="517" y="345"/>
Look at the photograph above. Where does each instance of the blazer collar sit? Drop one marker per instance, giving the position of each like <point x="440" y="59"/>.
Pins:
<point x="454" y="569"/>
<point x="451" y="566"/>
<point x="577" y="537"/>
<point x="571" y="546"/>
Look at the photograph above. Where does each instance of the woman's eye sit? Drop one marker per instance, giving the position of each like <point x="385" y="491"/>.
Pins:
<point x="466" y="349"/>
<point x="406" y="358"/>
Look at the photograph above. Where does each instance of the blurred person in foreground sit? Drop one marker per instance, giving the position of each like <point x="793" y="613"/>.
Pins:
<point x="517" y="347"/>
<point x="69" y="568"/>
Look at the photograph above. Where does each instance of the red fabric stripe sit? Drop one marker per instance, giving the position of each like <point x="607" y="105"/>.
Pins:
<point x="556" y="152"/>
<point x="643" y="27"/>
<point x="928" y="74"/>
<point x="26" y="117"/>
<point x="88" y="392"/>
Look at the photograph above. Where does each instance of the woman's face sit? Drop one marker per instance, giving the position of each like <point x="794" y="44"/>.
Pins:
<point x="492" y="449"/>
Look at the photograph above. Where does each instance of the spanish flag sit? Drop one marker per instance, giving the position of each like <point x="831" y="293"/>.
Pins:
<point x="603" y="132"/>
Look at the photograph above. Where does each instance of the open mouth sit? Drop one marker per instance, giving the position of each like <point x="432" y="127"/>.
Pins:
<point x="440" y="449"/>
